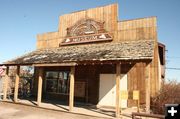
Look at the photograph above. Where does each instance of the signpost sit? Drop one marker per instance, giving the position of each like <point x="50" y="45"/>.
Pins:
<point x="124" y="95"/>
<point x="135" y="96"/>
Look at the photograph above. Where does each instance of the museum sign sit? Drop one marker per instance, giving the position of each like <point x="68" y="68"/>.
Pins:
<point x="86" y="31"/>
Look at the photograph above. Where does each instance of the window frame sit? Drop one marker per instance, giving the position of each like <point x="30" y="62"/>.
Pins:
<point x="66" y="92"/>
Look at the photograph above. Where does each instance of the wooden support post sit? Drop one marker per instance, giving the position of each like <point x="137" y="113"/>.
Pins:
<point x="40" y="79"/>
<point x="147" y="88"/>
<point x="118" y="100"/>
<point x="138" y="107"/>
<point x="71" y="93"/>
<point x="16" y="85"/>
<point x="6" y="78"/>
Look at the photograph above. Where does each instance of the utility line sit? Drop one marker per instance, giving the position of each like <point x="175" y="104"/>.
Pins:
<point x="173" y="68"/>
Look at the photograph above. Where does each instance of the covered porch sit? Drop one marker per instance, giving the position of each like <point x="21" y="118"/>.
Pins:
<point x="96" y="59"/>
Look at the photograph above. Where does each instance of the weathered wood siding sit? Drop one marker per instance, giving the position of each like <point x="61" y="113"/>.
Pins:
<point x="136" y="81"/>
<point x="141" y="29"/>
<point x="155" y="69"/>
<point x="47" y="40"/>
<point x="129" y="30"/>
<point x="107" y="14"/>
<point x="137" y="29"/>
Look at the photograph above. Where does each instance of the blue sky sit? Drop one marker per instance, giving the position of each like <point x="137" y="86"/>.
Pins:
<point x="22" y="20"/>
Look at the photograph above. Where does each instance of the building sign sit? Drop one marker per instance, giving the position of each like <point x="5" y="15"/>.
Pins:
<point x="135" y="95"/>
<point x="2" y="69"/>
<point x="86" y="39"/>
<point x="124" y="95"/>
<point x="85" y="31"/>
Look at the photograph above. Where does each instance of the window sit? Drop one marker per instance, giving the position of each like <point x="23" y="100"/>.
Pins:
<point x="57" y="82"/>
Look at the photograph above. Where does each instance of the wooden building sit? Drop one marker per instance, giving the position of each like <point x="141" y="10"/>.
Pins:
<point x="93" y="57"/>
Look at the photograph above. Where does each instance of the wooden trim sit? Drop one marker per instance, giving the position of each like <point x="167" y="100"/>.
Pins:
<point x="118" y="100"/>
<point x="134" y="114"/>
<point x="55" y="64"/>
<point x="147" y="71"/>
<point x="40" y="79"/>
<point x="150" y="17"/>
<point x="84" y="42"/>
<point x="28" y="64"/>
<point x="71" y="92"/>
<point x="5" y="84"/>
<point x="164" y="49"/>
<point x="16" y="84"/>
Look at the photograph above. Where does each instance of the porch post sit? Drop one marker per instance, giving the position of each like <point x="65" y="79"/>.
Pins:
<point x="71" y="93"/>
<point x="118" y="105"/>
<point x="16" y="84"/>
<point x="39" y="95"/>
<point x="147" y="88"/>
<point x="6" y="78"/>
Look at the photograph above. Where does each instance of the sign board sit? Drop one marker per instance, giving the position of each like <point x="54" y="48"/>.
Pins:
<point x="124" y="95"/>
<point x="2" y="69"/>
<point x="135" y="95"/>
<point x="87" y="39"/>
<point x="79" y="89"/>
<point x="85" y="31"/>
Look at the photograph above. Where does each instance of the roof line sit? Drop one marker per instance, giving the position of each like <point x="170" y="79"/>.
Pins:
<point x="137" y="18"/>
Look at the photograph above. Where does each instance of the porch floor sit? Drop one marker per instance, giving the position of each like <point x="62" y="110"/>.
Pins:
<point x="78" y="108"/>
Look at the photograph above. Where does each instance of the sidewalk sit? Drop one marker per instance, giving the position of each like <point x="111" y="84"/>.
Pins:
<point x="78" y="109"/>
<point x="17" y="111"/>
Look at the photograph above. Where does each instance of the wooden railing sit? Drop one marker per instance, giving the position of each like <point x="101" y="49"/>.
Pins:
<point x="136" y="115"/>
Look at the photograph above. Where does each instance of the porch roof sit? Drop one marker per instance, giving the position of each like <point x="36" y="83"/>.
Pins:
<point x="127" y="50"/>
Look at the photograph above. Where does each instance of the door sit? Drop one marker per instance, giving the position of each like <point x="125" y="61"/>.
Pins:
<point x="107" y="89"/>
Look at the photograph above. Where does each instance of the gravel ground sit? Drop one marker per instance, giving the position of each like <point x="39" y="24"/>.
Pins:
<point x="17" y="111"/>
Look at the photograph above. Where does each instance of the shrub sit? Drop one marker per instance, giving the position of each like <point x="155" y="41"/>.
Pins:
<point x="169" y="94"/>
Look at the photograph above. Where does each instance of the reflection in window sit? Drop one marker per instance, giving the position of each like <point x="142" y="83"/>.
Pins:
<point x="57" y="82"/>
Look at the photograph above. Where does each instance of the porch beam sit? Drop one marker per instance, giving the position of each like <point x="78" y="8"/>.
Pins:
<point x="147" y="88"/>
<point x="16" y="84"/>
<point x="5" y="86"/>
<point x="55" y="64"/>
<point x="40" y="79"/>
<point x="118" y="100"/>
<point x="71" y="93"/>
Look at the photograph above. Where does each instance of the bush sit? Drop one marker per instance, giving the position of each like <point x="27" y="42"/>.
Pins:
<point x="169" y="94"/>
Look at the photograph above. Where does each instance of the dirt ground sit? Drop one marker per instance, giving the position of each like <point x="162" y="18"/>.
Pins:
<point x="16" y="111"/>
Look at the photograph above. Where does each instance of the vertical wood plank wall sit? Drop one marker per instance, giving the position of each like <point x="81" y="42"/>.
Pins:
<point x="137" y="29"/>
<point x="129" y="30"/>
<point x="136" y="81"/>
<point x="107" y="14"/>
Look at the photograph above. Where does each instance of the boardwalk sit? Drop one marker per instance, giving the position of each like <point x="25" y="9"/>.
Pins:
<point x="16" y="111"/>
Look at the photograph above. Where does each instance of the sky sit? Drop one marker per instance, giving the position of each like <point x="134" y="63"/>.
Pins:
<point x="22" y="20"/>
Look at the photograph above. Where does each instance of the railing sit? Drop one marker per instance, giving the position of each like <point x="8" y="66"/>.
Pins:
<point x="135" y="114"/>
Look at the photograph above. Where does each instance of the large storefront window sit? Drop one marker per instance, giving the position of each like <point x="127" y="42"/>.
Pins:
<point x="57" y="82"/>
